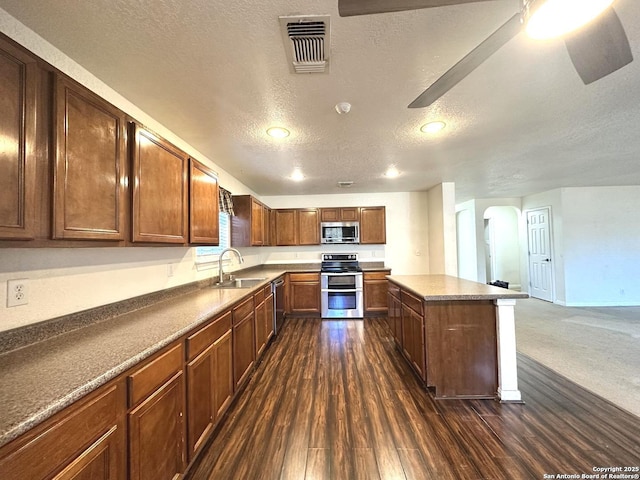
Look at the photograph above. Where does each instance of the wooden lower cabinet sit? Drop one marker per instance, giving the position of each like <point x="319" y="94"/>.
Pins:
<point x="243" y="341"/>
<point x="304" y="293"/>
<point x="394" y="316"/>
<point x="156" y="418"/>
<point x="209" y="380"/>
<point x="84" y="441"/>
<point x="150" y="422"/>
<point x="375" y="293"/>
<point x="413" y="339"/>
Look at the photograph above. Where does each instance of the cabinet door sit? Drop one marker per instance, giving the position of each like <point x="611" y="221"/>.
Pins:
<point x="160" y="196"/>
<point x="243" y="350"/>
<point x="350" y="214"/>
<point x="89" y="172"/>
<point x="375" y="293"/>
<point x="96" y="462"/>
<point x="286" y="227"/>
<point x="395" y="318"/>
<point x="329" y="214"/>
<point x="412" y="339"/>
<point x="156" y="434"/>
<point x="308" y="226"/>
<point x="305" y="294"/>
<point x="203" y="204"/>
<point x="268" y="318"/>
<point x="257" y="223"/>
<point x="261" y="332"/>
<point x="84" y="441"/>
<point x="372" y="225"/>
<point x="222" y="373"/>
<point x="200" y="400"/>
<point x="18" y="153"/>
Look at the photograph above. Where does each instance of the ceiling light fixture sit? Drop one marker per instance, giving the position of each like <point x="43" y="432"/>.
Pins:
<point x="553" y="18"/>
<point x="432" y="127"/>
<point x="392" y="172"/>
<point x="297" y="176"/>
<point x="278" y="132"/>
<point x="343" y="107"/>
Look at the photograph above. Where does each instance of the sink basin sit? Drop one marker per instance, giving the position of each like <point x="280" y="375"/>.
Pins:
<point x="241" y="282"/>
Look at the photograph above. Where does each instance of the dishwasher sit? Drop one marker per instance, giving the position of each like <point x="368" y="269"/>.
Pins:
<point x="277" y="287"/>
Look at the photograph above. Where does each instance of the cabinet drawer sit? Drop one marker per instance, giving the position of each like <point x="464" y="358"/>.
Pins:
<point x="411" y="301"/>
<point x="153" y="374"/>
<point x="304" y="277"/>
<point x="208" y="335"/>
<point x="376" y="275"/>
<point x="47" y="449"/>
<point x="394" y="290"/>
<point x="258" y="297"/>
<point x="242" y="310"/>
<point x="267" y="291"/>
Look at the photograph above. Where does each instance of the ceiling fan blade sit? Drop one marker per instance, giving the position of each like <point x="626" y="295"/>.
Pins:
<point x="599" y="48"/>
<point x="349" y="8"/>
<point x="470" y="62"/>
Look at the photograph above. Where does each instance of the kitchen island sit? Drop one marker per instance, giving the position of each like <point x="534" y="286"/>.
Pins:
<point x="458" y="335"/>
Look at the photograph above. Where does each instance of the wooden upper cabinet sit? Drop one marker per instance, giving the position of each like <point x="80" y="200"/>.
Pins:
<point x="257" y="223"/>
<point x="203" y="204"/>
<point x="295" y="226"/>
<point x="248" y="223"/>
<point x="340" y="214"/>
<point x="308" y="226"/>
<point x="285" y="226"/>
<point x="89" y="171"/>
<point x="160" y="189"/>
<point x="372" y="225"/>
<point x="18" y="72"/>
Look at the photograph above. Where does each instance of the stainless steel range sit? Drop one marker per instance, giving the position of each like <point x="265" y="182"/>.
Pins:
<point x="341" y="286"/>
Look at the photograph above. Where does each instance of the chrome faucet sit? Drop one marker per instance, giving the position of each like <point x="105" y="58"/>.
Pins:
<point x="240" y="259"/>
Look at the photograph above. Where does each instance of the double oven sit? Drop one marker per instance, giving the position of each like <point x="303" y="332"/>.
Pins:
<point x="341" y="286"/>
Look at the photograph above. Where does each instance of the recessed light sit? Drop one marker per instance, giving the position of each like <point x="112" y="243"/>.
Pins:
<point x="278" y="132"/>
<point x="297" y="176"/>
<point x="432" y="127"/>
<point x="392" y="172"/>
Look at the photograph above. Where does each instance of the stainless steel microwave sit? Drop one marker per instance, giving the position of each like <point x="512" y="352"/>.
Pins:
<point x="340" y="232"/>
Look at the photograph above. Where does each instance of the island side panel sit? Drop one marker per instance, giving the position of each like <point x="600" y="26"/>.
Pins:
<point x="461" y="348"/>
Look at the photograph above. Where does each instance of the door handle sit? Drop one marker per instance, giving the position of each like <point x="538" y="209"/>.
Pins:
<point x="547" y="260"/>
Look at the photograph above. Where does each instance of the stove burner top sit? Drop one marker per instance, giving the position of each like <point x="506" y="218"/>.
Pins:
<point x="340" y="263"/>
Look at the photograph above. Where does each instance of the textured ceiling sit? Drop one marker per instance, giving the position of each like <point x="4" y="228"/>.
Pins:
<point x="215" y="73"/>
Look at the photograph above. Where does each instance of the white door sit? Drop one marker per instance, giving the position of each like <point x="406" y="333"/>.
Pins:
<point x="540" y="271"/>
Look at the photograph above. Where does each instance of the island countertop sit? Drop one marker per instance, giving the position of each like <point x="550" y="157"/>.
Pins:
<point x="445" y="287"/>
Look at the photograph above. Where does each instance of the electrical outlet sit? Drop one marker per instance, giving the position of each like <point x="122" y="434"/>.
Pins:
<point x="17" y="292"/>
<point x="169" y="270"/>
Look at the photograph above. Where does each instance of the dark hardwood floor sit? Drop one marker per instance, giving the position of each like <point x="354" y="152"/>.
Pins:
<point x="335" y="400"/>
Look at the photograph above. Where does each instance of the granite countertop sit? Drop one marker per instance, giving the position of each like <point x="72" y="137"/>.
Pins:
<point x="41" y="379"/>
<point x="445" y="287"/>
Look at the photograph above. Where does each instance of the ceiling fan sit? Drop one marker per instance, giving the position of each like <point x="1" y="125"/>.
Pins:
<point x="597" y="49"/>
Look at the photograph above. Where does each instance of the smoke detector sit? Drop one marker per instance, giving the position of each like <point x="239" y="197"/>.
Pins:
<point x="343" y="107"/>
<point x="306" y="42"/>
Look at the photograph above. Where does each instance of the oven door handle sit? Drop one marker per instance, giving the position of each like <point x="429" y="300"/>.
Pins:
<point x="340" y="290"/>
<point x="339" y="274"/>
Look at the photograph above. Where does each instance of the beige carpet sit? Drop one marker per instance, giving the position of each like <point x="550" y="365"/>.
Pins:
<point x="598" y="348"/>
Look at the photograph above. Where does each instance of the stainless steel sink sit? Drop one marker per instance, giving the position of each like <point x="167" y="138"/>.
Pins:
<point x="240" y="282"/>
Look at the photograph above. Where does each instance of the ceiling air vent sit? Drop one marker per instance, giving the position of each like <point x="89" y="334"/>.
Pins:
<point x="344" y="184"/>
<point x="306" y="41"/>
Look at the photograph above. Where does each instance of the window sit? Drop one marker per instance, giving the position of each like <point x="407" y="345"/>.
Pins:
<point x="210" y="254"/>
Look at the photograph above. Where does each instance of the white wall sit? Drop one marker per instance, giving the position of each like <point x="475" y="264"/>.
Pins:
<point x="466" y="241"/>
<point x="443" y="254"/>
<point x="601" y="234"/>
<point x="407" y="248"/>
